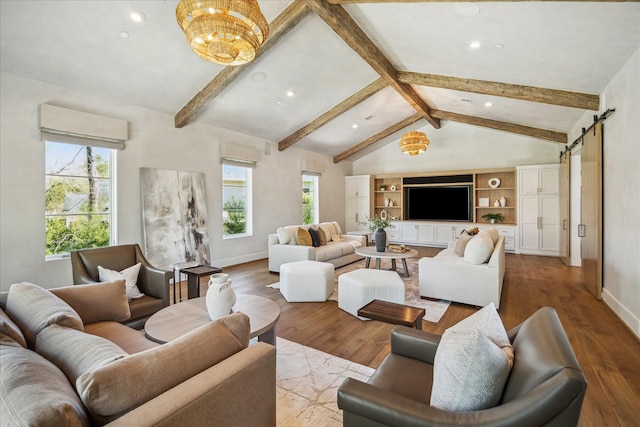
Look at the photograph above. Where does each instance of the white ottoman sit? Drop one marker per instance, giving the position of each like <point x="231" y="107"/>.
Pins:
<point x="307" y="281"/>
<point x="359" y="287"/>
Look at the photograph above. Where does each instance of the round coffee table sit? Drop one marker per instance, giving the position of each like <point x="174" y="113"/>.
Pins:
<point x="370" y="252"/>
<point x="176" y="320"/>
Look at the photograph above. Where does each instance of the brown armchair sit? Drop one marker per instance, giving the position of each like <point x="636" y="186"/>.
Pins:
<point x="546" y="385"/>
<point x="152" y="282"/>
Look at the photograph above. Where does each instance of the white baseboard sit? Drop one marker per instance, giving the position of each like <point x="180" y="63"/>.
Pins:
<point x="225" y="262"/>
<point x="623" y="313"/>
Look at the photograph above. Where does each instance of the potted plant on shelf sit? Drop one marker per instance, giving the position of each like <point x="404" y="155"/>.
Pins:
<point x="493" y="217"/>
<point x="378" y="225"/>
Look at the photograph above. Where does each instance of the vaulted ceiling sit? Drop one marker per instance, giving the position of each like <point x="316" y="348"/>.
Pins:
<point x="361" y="72"/>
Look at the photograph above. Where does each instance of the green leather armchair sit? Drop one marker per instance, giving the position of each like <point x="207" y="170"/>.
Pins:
<point x="152" y="282"/>
<point x="546" y="386"/>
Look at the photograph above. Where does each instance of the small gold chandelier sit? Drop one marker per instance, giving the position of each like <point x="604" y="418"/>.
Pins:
<point x="414" y="143"/>
<point x="225" y="32"/>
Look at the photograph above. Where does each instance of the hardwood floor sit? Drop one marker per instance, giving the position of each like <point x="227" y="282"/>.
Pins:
<point x="607" y="351"/>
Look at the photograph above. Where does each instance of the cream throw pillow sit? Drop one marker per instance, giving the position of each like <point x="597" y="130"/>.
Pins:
<point x="10" y="329"/>
<point x="472" y="363"/>
<point x="129" y="275"/>
<point x="479" y="249"/>
<point x="461" y="243"/>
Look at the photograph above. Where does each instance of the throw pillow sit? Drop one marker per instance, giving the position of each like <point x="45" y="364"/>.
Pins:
<point x="472" y="363"/>
<point x="33" y="392"/>
<point x="328" y="230"/>
<point x="479" y="249"/>
<point x="89" y="301"/>
<point x="129" y="382"/>
<point x="493" y="233"/>
<point x="284" y="235"/>
<point x="461" y="243"/>
<point x="315" y="237"/>
<point x="75" y="352"/>
<point x="10" y="329"/>
<point x="129" y="275"/>
<point x="303" y="237"/>
<point x="337" y="227"/>
<point x="34" y="308"/>
<point x="323" y="236"/>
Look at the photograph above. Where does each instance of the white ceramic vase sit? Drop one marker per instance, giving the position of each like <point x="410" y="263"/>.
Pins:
<point x="220" y="297"/>
<point x="503" y="202"/>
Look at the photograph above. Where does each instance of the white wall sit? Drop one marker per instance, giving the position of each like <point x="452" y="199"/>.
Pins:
<point x="457" y="146"/>
<point x="621" y="158"/>
<point x="153" y="142"/>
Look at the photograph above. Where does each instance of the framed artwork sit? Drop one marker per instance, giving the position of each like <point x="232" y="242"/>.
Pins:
<point x="174" y="214"/>
<point x="483" y="202"/>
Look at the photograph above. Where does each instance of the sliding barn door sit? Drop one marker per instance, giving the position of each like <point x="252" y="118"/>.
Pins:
<point x="590" y="229"/>
<point x="565" y="204"/>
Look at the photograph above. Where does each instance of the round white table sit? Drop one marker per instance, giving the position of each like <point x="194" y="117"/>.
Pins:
<point x="370" y="252"/>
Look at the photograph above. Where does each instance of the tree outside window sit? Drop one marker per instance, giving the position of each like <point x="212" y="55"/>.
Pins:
<point x="310" y="211"/>
<point x="236" y="198"/>
<point x="77" y="197"/>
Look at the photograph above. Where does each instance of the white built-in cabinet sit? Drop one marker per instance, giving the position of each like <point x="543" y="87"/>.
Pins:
<point x="539" y="209"/>
<point x="357" y="190"/>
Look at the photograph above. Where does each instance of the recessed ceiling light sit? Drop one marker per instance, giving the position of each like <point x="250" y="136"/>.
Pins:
<point x="137" y="16"/>
<point x="475" y="45"/>
<point x="290" y="93"/>
<point x="355" y="126"/>
<point x="499" y="45"/>
<point x="124" y="34"/>
<point x="279" y="101"/>
<point x="466" y="9"/>
<point x="488" y="104"/>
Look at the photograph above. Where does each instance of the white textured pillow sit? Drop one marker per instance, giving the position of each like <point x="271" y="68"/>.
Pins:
<point x="292" y="230"/>
<point x="479" y="249"/>
<point x="284" y="235"/>
<point x="493" y="233"/>
<point x="129" y="275"/>
<point x="472" y="363"/>
<point x="469" y="372"/>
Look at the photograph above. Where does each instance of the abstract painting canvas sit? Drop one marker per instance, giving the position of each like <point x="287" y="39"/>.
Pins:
<point x="174" y="211"/>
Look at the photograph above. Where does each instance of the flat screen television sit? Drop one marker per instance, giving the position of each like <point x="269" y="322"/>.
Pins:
<point x="439" y="203"/>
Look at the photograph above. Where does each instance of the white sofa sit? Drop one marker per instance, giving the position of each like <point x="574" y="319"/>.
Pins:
<point x="450" y="277"/>
<point x="339" y="249"/>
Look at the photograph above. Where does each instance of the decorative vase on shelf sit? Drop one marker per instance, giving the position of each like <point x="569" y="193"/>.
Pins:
<point x="220" y="296"/>
<point x="386" y="202"/>
<point x="503" y="202"/>
<point x="380" y="237"/>
<point x="496" y="204"/>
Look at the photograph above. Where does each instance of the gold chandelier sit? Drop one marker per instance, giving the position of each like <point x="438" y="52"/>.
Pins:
<point x="225" y="32"/>
<point x="414" y="143"/>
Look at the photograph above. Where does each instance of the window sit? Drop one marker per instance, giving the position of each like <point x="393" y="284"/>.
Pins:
<point x="78" y="197"/>
<point x="236" y="200"/>
<point x="310" y="205"/>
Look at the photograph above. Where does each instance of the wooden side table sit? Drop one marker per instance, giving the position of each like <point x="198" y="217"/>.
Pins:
<point x="193" y="278"/>
<point x="390" y="312"/>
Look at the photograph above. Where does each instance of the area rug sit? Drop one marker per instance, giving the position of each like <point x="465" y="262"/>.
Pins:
<point x="307" y="385"/>
<point x="434" y="310"/>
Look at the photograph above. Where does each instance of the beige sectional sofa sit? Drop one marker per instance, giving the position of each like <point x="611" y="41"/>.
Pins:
<point x="339" y="249"/>
<point x="474" y="275"/>
<point x="67" y="360"/>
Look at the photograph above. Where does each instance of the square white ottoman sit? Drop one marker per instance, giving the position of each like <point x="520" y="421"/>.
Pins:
<point x="359" y="287"/>
<point x="307" y="281"/>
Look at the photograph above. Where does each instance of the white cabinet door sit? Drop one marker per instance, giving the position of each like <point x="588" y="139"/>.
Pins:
<point x="426" y="233"/>
<point x="528" y="222"/>
<point x="549" y="223"/>
<point x="409" y="232"/>
<point x="444" y="234"/>
<point x="357" y="186"/>
<point x="528" y="181"/>
<point x="357" y="201"/>
<point x="550" y="180"/>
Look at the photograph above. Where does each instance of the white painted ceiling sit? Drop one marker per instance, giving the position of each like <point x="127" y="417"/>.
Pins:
<point x="572" y="46"/>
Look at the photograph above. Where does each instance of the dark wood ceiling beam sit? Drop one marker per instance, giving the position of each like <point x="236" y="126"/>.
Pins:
<point x="377" y="137"/>
<point x="343" y="24"/>
<point x="336" y="111"/>
<point x="279" y="28"/>
<point x="548" y="135"/>
<point x="563" y="98"/>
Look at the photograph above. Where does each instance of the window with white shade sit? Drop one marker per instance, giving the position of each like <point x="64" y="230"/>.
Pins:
<point x="236" y="199"/>
<point x="310" y="205"/>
